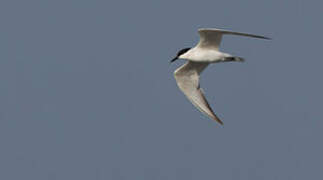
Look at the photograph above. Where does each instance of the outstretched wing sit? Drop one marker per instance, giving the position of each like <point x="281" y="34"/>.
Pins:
<point x="211" y="38"/>
<point x="187" y="78"/>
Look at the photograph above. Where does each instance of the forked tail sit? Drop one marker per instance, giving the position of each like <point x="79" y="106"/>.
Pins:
<point x="234" y="58"/>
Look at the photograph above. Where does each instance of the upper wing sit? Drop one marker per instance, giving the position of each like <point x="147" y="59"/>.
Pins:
<point x="187" y="78"/>
<point x="211" y="38"/>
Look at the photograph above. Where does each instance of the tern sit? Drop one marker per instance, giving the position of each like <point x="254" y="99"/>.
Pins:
<point x="198" y="58"/>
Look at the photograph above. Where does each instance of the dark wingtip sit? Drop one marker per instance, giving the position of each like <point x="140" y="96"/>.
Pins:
<point x="267" y="38"/>
<point x="217" y="120"/>
<point x="261" y="37"/>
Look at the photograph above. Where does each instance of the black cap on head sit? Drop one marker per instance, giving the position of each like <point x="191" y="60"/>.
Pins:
<point x="182" y="51"/>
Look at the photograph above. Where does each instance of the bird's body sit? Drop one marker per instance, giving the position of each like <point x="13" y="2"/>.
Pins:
<point x="199" y="57"/>
<point x="198" y="54"/>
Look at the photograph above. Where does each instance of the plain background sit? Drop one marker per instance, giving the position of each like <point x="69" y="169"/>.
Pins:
<point x="87" y="91"/>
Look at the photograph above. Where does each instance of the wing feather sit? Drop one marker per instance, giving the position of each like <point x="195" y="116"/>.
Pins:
<point x="211" y="37"/>
<point x="187" y="78"/>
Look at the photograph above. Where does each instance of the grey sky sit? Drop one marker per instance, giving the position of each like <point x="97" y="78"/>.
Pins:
<point x="87" y="91"/>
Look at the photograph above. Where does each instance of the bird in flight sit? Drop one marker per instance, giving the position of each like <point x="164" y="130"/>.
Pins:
<point x="198" y="58"/>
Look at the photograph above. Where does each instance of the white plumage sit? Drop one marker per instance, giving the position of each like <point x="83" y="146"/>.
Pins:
<point x="199" y="57"/>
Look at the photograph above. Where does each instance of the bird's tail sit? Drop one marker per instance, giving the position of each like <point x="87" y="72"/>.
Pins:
<point x="235" y="58"/>
<point x="238" y="59"/>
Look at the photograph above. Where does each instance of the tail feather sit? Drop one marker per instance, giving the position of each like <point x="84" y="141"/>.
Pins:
<point x="235" y="58"/>
<point x="239" y="59"/>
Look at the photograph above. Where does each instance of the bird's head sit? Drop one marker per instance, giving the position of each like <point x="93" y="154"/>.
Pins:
<point x="179" y="53"/>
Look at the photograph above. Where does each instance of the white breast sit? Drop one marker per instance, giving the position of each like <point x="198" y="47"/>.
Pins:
<point x="203" y="55"/>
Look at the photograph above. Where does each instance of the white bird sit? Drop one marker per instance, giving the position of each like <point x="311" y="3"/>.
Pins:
<point x="199" y="57"/>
